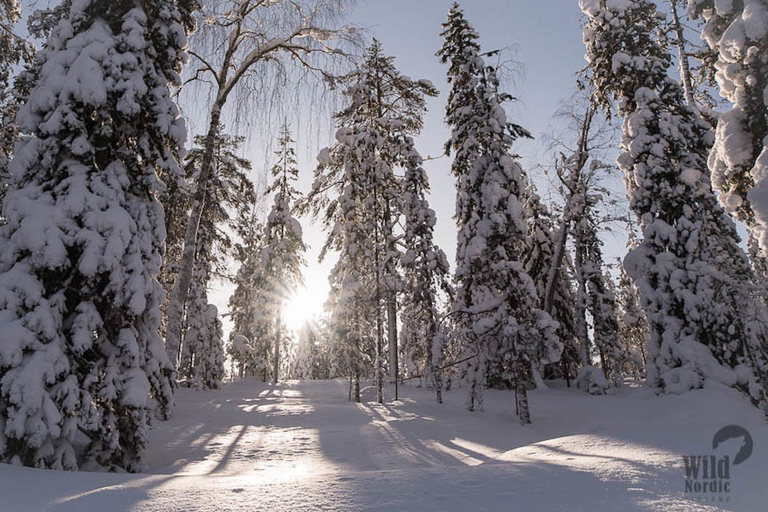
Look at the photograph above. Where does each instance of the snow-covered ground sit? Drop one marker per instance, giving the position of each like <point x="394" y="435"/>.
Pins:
<point x="303" y="446"/>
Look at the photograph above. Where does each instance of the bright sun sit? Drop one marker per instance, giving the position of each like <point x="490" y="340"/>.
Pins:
<point x="301" y="308"/>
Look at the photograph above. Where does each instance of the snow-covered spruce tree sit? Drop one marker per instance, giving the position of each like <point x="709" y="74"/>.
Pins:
<point x="282" y="252"/>
<point x="538" y="258"/>
<point x="242" y="304"/>
<point x="593" y="296"/>
<point x="695" y="283"/>
<point x="633" y="325"/>
<point x="601" y="304"/>
<point x="229" y="197"/>
<point x="570" y="168"/>
<point x="80" y="351"/>
<point x="201" y="365"/>
<point x="236" y="37"/>
<point x="426" y="274"/>
<point x="350" y="316"/>
<point x="495" y="298"/>
<point x="385" y="109"/>
<point x="738" y="33"/>
<point x="13" y="50"/>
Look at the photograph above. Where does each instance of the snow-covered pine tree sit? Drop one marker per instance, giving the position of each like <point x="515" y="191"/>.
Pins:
<point x="350" y="319"/>
<point x="229" y="197"/>
<point x="696" y="285"/>
<point x="80" y="351"/>
<point x="201" y="365"/>
<point x="738" y="33"/>
<point x="13" y="50"/>
<point x="243" y="302"/>
<point x="633" y="325"/>
<point x="601" y="304"/>
<point x="495" y="298"/>
<point x="282" y="252"/>
<point x="593" y="296"/>
<point x="385" y="109"/>
<point x="426" y="274"/>
<point x="538" y="259"/>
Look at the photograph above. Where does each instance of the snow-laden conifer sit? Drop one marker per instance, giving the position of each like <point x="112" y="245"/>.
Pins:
<point x="426" y="275"/>
<point x="229" y="198"/>
<point x="538" y="258"/>
<point x="696" y="285"/>
<point x="13" y="50"/>
<point x="495" y="297"/>
<point x="80" y="351"/>
<point x="385" y="109"/>
<point x="738" y="34"/>
<point x="281" y="256"/>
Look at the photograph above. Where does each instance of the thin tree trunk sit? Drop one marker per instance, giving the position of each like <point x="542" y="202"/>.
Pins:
<point x="557" y="261"/>
<point x="581" y="307"/>
<point x="184" y="279"/>
<point x="392" y="338"/>
<point x="562" y="233"/>
<point x="276" y="366"/>
<point x="685" y="68"/>
<point x="521" y="394"/>
<point x="391" y="302"/>
<point x="379" y="326"/>
<point x="433" y="367"/>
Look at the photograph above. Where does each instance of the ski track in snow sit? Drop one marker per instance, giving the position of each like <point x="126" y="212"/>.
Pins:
<point x="303" y="446"/>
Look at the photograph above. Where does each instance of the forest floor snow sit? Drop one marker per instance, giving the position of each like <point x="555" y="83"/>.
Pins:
<point x="301" y="445"/>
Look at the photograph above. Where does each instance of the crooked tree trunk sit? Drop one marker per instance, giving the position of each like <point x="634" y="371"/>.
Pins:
<point x="184" y="279"/>
<point x="562" y="233"/>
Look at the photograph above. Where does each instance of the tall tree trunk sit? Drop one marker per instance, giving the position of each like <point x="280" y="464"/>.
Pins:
<point x="392" y="338"/>
<point x="581" y="306"/>
<point x="561" y="239"/>
<point x="276" y="366"/>
<point x="685" y="68"/>
<point x="434" y="369"/>
<point x="184" y="279"/>
<point x="379" y="323"/>
<point x="391" y="299"/>
<point x="557" y="261"/>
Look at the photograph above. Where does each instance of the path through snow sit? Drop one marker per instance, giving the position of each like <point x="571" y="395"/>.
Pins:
<point x="303" y="446"/>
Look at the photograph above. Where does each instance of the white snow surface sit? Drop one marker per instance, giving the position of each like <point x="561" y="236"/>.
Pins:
<point x="302" y="446"/>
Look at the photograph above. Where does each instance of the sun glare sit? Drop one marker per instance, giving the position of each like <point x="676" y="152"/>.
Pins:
<point x="302" y="308"/>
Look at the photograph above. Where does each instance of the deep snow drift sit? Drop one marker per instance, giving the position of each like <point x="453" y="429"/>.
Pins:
<point x="302" y="446"/>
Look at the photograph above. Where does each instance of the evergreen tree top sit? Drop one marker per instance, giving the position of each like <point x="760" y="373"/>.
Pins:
<point x="285" y="171"/>
<point x="460" y="41"/>
<point x="379" y="92"/>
